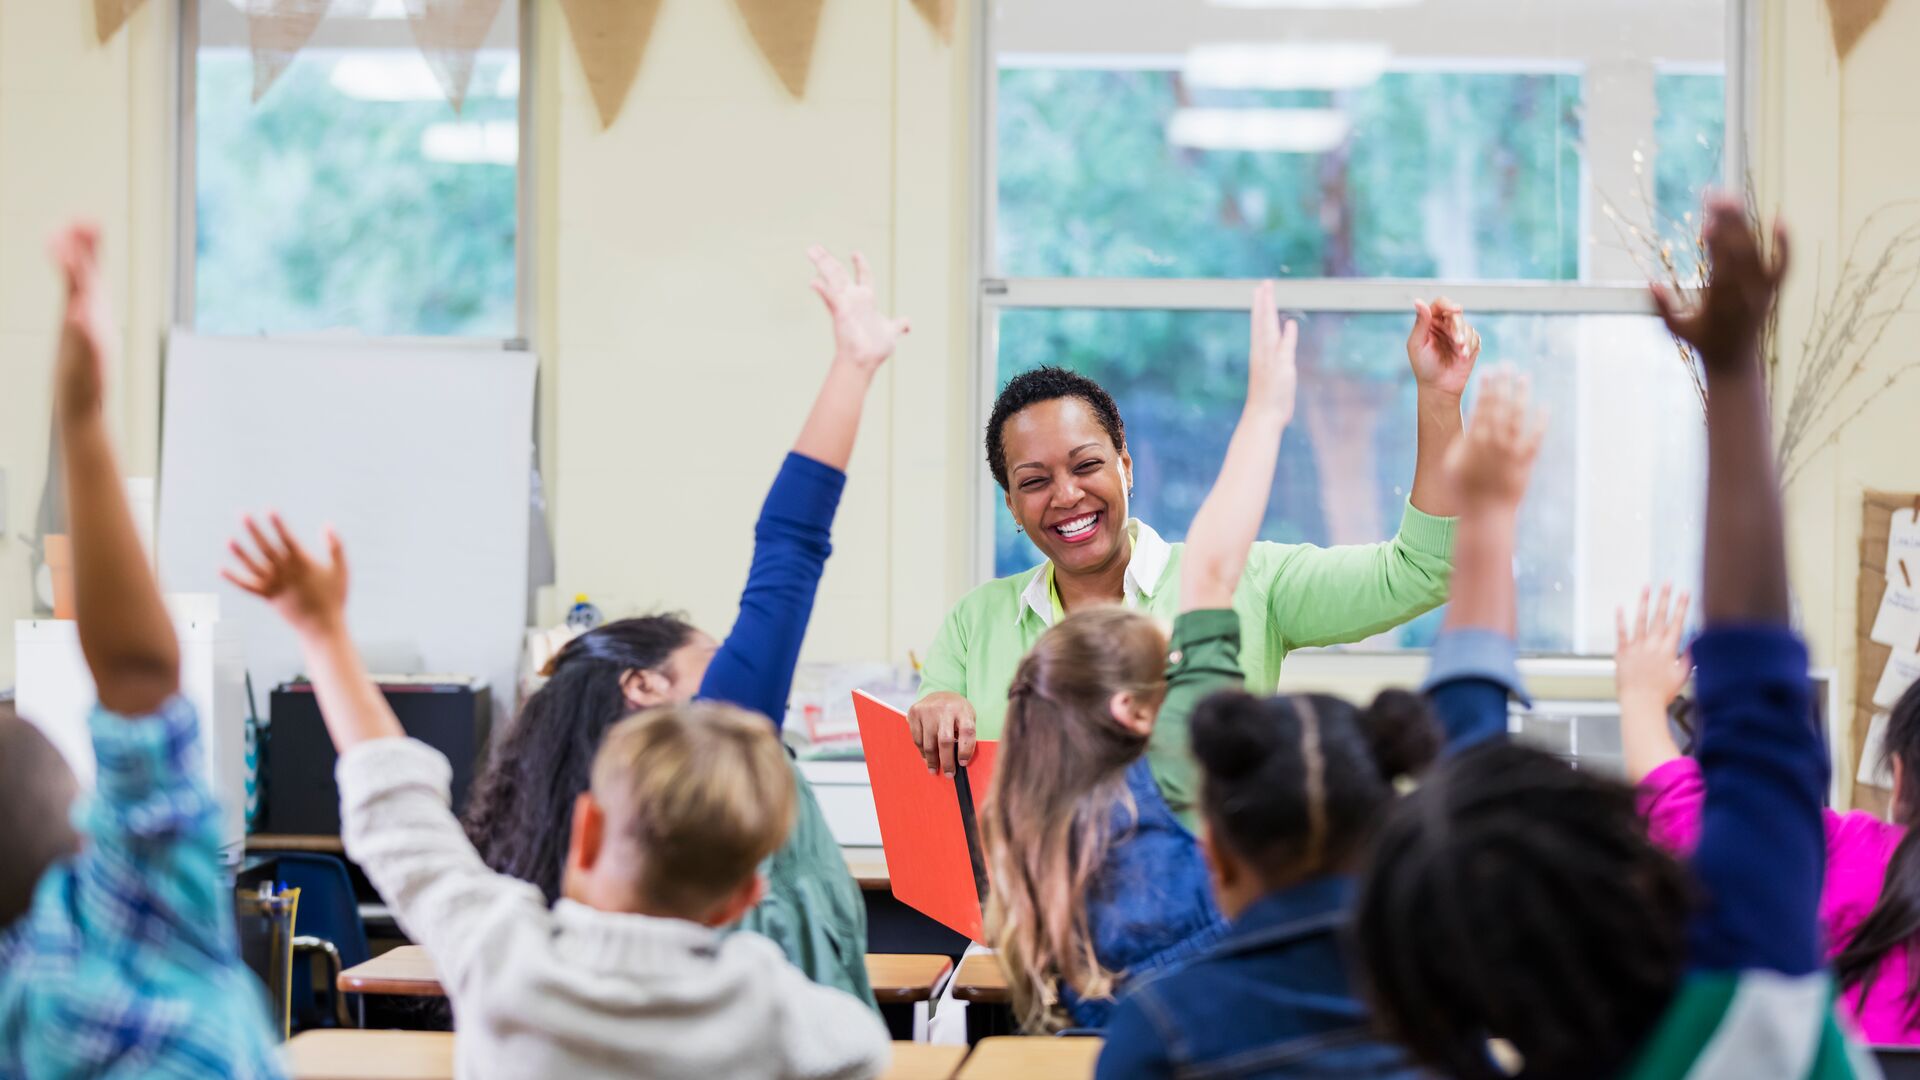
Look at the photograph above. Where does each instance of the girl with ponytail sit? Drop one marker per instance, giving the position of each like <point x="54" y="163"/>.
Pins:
<point x="1870" y="903"/>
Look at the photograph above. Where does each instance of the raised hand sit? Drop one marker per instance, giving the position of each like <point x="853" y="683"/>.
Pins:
<point x="1649" y="668"/>
<point x="1725" y="319"/>
<point x="862" y="335"/>
<point x="311" y="596"/>
<point x="1488" y="466"/>
<point x="1442" y="348"/>
<point x="86" y="330"/>
<point x="1271" y="375"/>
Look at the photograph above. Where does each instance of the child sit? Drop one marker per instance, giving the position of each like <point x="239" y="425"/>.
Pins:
<point x="1870" y="900"/>
<point x="813" y="908"/>
<point x="628" y="974"/>
<point x="1292" y="787"/>
<point x="1514" y="897"/>
<point x="123" y="963"/>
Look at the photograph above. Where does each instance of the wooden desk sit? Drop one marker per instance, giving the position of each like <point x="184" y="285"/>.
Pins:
<point x="900" y="978"/>
<point x="922" y="1061"/>
<point x="1018" y="1057"/>
<point x="371" y="1055"/>
<point x="868" y="867"/>
<point x="405" y="971"/>
<point x="981" y="979"/>
<point x="897" y="978"/>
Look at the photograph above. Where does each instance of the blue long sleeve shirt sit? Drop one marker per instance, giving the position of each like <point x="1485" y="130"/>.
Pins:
<point x="791" y="542"/>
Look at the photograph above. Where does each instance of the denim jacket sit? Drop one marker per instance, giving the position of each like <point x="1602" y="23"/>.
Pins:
<point x="1273" y="999"/>
<point x="1152" y="902"/>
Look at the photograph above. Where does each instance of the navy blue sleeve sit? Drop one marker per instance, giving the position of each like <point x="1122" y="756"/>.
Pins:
<point x="1472" y="676"/>
<point x="1763" y="847"/>
<point x="791" y="542"/>
<point x="1133" y="1049"/>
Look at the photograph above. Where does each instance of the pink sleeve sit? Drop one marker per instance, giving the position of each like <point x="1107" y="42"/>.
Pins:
<point x="1670" y="799"/>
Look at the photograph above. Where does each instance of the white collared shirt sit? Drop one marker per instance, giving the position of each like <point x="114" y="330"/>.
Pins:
<point x="1144" y="570"/>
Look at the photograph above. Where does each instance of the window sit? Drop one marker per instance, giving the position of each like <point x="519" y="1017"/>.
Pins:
<point x="1149" y="159"/>
<point x="351" y="196"/>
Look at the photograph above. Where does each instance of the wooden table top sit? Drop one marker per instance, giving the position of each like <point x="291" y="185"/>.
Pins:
<point x="981" y="979"/>
<point x="923" y="1061"/>
<point x="1018" y="1057"/>
<point x="371" y="1055"/>
<point x="408" y="972"/>
<point x="905" y="977"/>
<point x="868" y="865"/>
<point x="405" y="971"/>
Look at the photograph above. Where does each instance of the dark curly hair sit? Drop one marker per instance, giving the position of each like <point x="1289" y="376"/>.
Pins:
<point x="521" y="802"/>
<point x="1047" y="384"/>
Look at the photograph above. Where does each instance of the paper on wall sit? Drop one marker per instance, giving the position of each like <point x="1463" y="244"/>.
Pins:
<point x="1873" y="767"/>
<point x="1898" y="623"/>
<point x="1903" y="667"/>
<point x="1903" y="549"/>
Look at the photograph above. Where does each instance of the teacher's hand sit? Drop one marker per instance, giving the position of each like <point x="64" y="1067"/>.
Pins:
<point x="942" y="724"/>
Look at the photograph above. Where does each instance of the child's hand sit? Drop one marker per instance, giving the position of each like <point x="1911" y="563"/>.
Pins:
<point x="1489" y="464"/>
<point x="1725" y="320"/>
<point x="311" y="597"/>
<point x="86" y="331"/>
<point x="862" y="336"/>
<point x="1649" y="668"/>
<point x="1270" y="369"/>
<point x="1442" y="348"/>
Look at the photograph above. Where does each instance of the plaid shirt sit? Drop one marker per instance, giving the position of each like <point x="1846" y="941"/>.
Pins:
<point x="126" y="964"/>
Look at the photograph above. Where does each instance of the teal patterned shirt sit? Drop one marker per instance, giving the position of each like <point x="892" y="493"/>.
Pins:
<point x="126" y="964"/>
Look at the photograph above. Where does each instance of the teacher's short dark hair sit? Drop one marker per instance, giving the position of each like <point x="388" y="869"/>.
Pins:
<point x="1047" y="384"/>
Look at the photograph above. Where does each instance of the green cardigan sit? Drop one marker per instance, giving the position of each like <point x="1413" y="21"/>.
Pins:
<point x="1291" y="596"/>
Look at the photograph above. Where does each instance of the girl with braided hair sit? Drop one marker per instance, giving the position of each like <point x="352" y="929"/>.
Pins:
<point x="1515" y="897"/>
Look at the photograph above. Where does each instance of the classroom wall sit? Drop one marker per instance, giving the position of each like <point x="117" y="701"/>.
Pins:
<point x="1833" y="143"/>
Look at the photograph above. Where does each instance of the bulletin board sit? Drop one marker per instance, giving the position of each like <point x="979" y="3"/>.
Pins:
<point x="1882" y="515"/>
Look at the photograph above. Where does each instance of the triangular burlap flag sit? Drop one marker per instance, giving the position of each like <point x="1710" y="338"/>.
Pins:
<point x="110" y="15"/>
<point x="610" y="37"/>
<point x="278" y="29"/>
<point x="784" y="30"/>
<point x="449" y="32"/>
<point x="940" y="14"/>
<point x="1851" y="18"/>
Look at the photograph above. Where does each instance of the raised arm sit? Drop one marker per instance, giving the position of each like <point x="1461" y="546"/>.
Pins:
<point x="312" y="597"/>
<point x="1473" y="662"/>
<point x="1762" y="843"/>
<point x="793" y="538"/>
<point x="1442" y="349"/>
<point x="125" y="631"/>
<point x="1229" y="520"/>
<point x="1649" y="671"/>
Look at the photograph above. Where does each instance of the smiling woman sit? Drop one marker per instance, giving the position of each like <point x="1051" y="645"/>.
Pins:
<point x="1057" y="446"/>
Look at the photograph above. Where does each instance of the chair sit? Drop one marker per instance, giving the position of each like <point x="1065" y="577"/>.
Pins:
<point x="330" y="935"/>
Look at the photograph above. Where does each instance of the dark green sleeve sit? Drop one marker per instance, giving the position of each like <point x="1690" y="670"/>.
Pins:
<point x="1203" y="657"/>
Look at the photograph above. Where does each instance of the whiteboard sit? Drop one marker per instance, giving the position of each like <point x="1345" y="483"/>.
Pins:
<point x="420" y="456"/>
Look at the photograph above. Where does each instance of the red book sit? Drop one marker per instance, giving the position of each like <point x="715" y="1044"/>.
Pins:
<point x="929" y="824"/>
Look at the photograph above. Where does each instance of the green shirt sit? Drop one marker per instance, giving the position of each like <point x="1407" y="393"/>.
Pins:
<point x="1291" y="596"/>
<point x="1202" y="658"/>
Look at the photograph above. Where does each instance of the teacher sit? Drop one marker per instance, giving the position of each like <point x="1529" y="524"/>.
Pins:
<point x="1058" y="449"/>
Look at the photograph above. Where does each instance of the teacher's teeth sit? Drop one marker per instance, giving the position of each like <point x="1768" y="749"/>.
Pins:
<point x="1077" y="527"/>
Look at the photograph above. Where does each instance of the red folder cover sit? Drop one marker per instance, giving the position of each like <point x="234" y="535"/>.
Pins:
<point x="928" y="823"/>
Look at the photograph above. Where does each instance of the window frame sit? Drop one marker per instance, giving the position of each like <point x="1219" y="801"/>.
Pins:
<point x="186" y="224"/>
<point x="992" y="295"/>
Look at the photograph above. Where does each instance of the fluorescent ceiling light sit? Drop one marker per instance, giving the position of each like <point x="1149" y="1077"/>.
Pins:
<point x="1315" y="5"/>
<point x="365" y="9"/>
<point x="1321" y="65"/>
<point x="495" y="142"/>
<point x="1274" y="131"/>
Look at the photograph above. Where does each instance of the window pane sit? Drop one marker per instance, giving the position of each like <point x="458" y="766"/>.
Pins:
<point x="1691" y="139"/>
<point x="353" y="196"/>
<point x="1455" y="139"/>
<point x="1616" y="497"/>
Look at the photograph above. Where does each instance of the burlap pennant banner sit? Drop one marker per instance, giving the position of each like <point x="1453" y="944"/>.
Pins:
<point x="785" y="31"/>
<point x="449" y="33"/>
